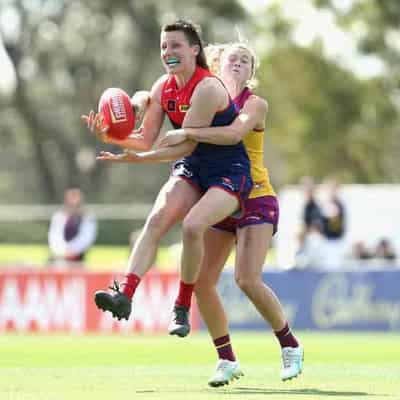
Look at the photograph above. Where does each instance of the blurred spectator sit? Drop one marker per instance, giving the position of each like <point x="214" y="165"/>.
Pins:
<point x="312" y="212"/>
<point x="312" y="251"/>
<point x="360" y="252"/>
<point x="321" y="240"/>
<point x="72" y="230"/>
<point x="334" y="224"/>
<point x="334" y="214"/>
<point x="311" y="240"/>
<point x="385" y="251"/>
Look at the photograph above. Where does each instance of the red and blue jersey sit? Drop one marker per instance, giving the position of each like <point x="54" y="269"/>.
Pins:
<point x="224" y="166"/>
<point x="176" y="102"/>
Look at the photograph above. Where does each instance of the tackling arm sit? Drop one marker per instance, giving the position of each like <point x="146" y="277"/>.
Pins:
<point x="251" y="116"/>
<point x="208" y="97"/>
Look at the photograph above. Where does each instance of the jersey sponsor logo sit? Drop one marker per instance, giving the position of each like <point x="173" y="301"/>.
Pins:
<point x="228" y="183"/>
<point x="253" y="217"/>
<point x="183" y="107"/>
<point x="171" y="105"/>
<point x="180" y="170"/>
<point x="271" y="214"/>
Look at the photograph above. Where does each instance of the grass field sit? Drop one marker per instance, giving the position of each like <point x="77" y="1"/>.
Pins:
<point x="99" y="258"/>
<point x="337" y="366"/>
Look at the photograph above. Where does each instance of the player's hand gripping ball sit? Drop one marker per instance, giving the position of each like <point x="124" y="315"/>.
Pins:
<point x="118" y="113"/>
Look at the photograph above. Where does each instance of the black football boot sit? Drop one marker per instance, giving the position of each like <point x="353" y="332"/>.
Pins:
<point x="117" y="302"/>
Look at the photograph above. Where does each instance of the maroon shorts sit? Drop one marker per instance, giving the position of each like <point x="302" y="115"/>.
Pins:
<point x="259" y="210"/>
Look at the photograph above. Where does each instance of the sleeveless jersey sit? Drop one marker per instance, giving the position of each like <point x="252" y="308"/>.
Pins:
<point x="176" y="102"/>
<point x="254" y="143"/>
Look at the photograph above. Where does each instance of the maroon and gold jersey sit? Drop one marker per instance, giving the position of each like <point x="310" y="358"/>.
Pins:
<point x="254" y="143"/>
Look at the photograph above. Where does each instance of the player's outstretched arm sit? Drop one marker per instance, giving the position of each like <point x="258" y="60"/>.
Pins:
<point x="95" y="123"/>
<point x="140" y="102"/>
<point x="165" y="154"/>
<point x="251" y="116"/>
<point x="142" y="139"/>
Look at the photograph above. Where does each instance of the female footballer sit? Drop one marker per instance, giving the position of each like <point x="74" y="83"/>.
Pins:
<point x="210" y="183"/>
<point x="235" y="64"/>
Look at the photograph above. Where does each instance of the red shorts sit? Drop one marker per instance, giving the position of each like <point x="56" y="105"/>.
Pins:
<point x="259" y="210"/>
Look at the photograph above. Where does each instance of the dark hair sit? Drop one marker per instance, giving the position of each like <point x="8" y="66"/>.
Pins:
<point x="192" y="33"/>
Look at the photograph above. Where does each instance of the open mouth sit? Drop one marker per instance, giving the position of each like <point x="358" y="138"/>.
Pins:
<point x="172" y="61"/>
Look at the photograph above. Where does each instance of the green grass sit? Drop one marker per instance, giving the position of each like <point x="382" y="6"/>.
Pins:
<point x="99" y="257"/>
<point x="337" y="366"/>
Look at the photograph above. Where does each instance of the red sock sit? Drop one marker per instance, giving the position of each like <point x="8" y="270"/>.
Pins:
<point x="130" y="284"/>
<point x="286" y="337"/>
<point x="185" y="294"/>
<point x="224" y="348"/>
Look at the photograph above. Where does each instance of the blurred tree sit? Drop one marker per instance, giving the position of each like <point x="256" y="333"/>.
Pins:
<point x="324" y="120"/>
<point x="65" y="53"/>
<point x="375" y="26"/>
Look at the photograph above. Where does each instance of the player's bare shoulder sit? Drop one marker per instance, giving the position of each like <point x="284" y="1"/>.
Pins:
<point x="257" y="104"/>
<point x="211" y="86"/>
<point x="256" y="108"/>
<point x="209" y="93"/>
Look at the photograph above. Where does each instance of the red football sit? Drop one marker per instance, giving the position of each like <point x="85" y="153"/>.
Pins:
<point x="119" y="115"/>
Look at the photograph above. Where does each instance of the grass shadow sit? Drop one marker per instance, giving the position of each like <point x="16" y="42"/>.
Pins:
<point x="310" y="391"/>
<point x="265" y="391"/>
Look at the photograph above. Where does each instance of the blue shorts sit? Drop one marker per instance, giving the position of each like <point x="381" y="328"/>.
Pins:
<point x="234" y="178"/>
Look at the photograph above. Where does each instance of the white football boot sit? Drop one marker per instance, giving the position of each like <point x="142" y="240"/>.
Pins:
<point x="292" y="360"/>
<point x="225" y="372"/>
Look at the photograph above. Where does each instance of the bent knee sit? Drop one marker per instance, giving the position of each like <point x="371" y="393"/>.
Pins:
<point x="193" y="229"/>
<point x="247" y="282"/>
<point x="204" y="287"/>
<point x="203" y="284"/>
